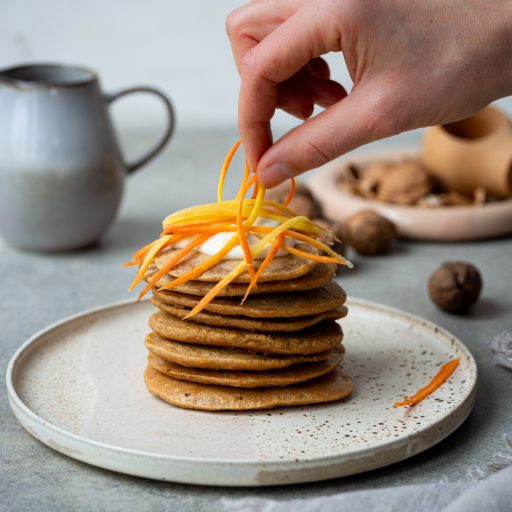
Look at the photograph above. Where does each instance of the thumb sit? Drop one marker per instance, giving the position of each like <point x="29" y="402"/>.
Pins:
<point x="361" y="117"/>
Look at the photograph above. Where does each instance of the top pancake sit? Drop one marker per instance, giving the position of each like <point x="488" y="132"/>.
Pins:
<point x="281" y="268"/>
<point x="319" y="275"/>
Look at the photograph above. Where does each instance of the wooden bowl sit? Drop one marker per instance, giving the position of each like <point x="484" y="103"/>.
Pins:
<point x="454" y="223"/>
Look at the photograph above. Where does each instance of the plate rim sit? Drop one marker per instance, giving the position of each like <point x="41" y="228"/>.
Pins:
<point x="20" y="408"/>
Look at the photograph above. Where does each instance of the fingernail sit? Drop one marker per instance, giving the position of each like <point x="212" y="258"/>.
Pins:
<point x="275" y="174"/>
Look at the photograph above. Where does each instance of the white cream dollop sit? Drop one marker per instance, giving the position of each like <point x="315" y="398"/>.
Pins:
<point x="216" y="242"/>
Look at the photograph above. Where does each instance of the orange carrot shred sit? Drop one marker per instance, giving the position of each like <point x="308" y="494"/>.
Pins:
<point x="210" y="295"/>
<point x="201" y="269"/>
<point x="264" y="264"/>
<point x="255" y="192"/>
<point x="241" y="229"/>
<point x="225" y="168"/>
<point x="237" y="216"/>
<point x="309" y="256"/>
<point x="173" y="261"/>
<point x="247" y="173"/>
<point x="157" y="246"/>
<point x="443" y="375"/>
<point x="288" y="200"/>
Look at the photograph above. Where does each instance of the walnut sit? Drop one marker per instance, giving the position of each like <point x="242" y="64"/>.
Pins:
<point x="372" y="177"/>
<point x="303" y="203"/>
<point x="453" y="198"/>
<point x="336" y="239"/>
<point x="370" y="233"/>
<point x="455" y="286"/>
<point x="404" y="183"/>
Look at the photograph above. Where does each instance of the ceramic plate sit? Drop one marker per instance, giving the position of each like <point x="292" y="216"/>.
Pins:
<point x="446" y="224"/>
<point x="77" y="387"/>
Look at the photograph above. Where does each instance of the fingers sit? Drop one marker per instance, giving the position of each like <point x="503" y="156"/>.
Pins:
<point x="295" y="98"/>
<point x="319" y="67"/>
<point x="325" y="92"/>
<point x="356" y="120"/>
<point x="299" y="94"/>
<point x="252" y="22"/>
<point x="306" y="35"/>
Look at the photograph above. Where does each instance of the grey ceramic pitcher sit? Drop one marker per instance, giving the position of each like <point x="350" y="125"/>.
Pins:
<point x="61" y="169"/>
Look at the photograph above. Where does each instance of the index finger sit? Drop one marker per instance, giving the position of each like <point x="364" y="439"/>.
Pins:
<point x="307" y="34"/>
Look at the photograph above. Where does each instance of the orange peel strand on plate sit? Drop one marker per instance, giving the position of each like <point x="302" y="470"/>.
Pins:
<point x="442" y="376"/>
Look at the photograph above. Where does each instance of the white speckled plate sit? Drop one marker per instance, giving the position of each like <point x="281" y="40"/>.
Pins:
<point x="77" y="387"/>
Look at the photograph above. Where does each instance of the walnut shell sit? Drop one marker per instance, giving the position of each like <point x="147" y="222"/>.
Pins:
<point x="303" y="205"/>
<point x="303" y="202"/>
<point x="404" y="183"/>
<point x="370" y="233"/>
<point x="455" y="286"/>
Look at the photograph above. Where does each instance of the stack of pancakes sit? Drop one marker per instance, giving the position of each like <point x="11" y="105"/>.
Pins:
<point x="281" y="347"/>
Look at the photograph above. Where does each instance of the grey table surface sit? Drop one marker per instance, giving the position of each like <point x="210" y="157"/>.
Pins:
<point x="37" y="290"/>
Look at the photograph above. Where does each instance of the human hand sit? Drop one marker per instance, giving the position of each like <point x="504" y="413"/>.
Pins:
<point x="412" y="63"/>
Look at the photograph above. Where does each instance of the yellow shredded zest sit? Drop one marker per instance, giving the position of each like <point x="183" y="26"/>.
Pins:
<point x="195" y="225"/>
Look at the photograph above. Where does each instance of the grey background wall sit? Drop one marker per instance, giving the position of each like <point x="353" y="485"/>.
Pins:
<point x="177" y="45"/>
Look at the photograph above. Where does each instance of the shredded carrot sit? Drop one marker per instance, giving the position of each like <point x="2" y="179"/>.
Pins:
<point x="288" y="200"/>
<point x="255" y="192"/>
<point x="310" y="241"/>
<point x="225" y="168"/>
<point x="216" y="289"/>
<point x="201" y="269"/>
<point x="172" y="263"/>
<point x="241" y="228"/>
<point x="155" y="249"/>
<point x="203" y="231"/>
<point x="247" y="173"/>
<point x="264" y="264"/>
<point x="309" y="256"/>
<point x="443" y="375"/>
<point x="255" y="251"/>
<point x="237" y="216"/>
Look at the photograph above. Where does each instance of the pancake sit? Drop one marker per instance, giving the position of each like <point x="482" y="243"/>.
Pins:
<point x="282" y="268"/>
<point x="251" y="324"/>
<point x="281" y="305"/>
<point x="189" y="395"/>
<point x="222" y="358"/>
<point x="249" y="379"/>
<point x="319" y="275"/>
<point x="323" y="336"/>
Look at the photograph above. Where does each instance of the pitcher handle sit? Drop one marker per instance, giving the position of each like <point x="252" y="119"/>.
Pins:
<point x="131" y="167"/>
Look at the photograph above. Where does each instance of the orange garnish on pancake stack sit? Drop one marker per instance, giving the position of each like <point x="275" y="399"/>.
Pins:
<point x="194" y="226"/>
